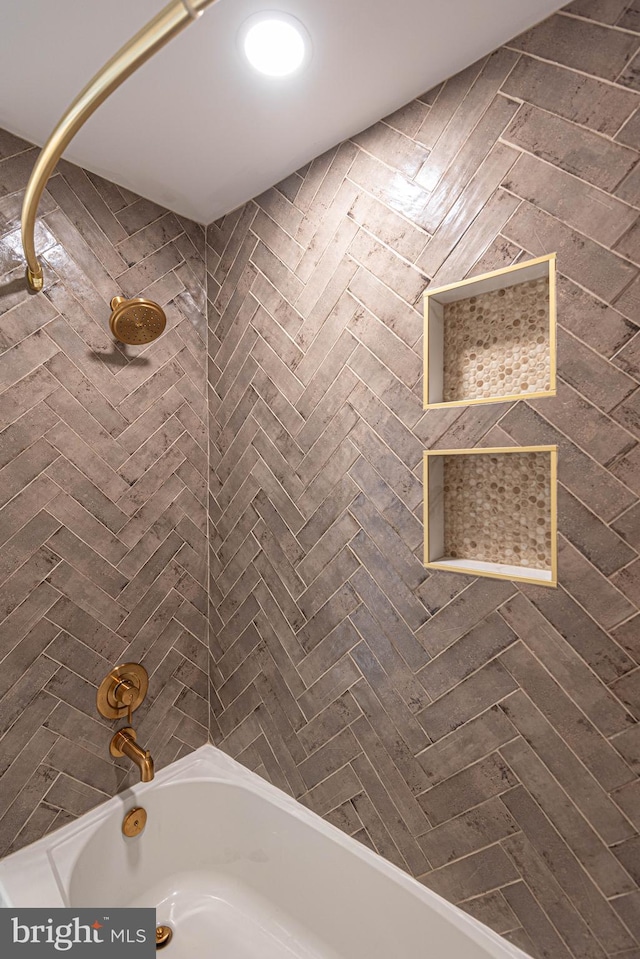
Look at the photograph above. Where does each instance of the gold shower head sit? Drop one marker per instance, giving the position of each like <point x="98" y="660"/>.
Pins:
<point x="136" y="321"/>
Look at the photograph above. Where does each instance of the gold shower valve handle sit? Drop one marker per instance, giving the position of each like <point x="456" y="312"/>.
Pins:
<point x="125" y="692"/>
<point x="122" y="691"/>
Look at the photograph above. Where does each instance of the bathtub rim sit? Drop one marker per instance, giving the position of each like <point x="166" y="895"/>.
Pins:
<point x="211" y="765"/>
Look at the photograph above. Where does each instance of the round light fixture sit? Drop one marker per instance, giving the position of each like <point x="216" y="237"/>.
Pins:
<point x="275" y="44"/>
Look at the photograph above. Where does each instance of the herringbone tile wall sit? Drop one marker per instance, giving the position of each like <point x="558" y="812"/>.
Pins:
<point x="103" y="493"/>
<point x="481" y="735"/>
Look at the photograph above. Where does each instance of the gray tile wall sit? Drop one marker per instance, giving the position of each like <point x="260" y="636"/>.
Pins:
<point x="481" y="735"/>
<point x="103" y="492"/>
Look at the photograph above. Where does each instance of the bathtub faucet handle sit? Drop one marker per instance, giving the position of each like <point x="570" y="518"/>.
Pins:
<point x="126" y="694"/>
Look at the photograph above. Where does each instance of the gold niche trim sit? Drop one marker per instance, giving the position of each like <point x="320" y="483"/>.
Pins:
<point x="435" y="301"/>
<point x="434" y="520"/>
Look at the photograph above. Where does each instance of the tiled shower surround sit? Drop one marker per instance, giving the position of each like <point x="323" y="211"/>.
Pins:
<point x="103" y="493"/>
<point x="482" y="736"/>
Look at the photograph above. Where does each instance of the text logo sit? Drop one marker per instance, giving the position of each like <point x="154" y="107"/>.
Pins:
<point x="32" y="933"/>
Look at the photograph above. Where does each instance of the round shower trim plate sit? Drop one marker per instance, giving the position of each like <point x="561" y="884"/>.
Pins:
<point x="270" y="27"/>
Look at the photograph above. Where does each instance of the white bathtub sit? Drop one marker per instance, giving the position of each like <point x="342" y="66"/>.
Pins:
<point x="241" y="871"/>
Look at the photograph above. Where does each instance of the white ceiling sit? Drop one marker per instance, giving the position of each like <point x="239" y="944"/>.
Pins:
<point x="196" y="129"/>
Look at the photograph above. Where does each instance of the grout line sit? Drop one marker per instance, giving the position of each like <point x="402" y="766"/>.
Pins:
<point x="620" y="350"/>
<point x="586" y="769"/>
<point x="566" y="66"/>
<point x="606" y="196"/>
<point x="570" y="904"/>
<point x="589" y="667"/>
<point x="625" y="123"/>
<point x="623" y="622"/>
<point x="598" y="23"/>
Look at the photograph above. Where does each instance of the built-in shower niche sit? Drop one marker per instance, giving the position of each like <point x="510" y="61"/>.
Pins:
<point x="492" y="338"/>
<point x="492" y="512"/>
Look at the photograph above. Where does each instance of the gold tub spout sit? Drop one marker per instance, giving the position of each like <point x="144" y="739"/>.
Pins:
<point x="124" y="744"/>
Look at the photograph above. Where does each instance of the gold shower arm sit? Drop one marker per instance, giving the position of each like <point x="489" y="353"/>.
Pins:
<point x="166" y="25"/>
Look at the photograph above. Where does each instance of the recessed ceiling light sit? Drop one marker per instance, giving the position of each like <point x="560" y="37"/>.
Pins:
<point x="275" y="44"/>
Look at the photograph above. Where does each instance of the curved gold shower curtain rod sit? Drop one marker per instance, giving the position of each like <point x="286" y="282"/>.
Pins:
<point x="166" y="25"/>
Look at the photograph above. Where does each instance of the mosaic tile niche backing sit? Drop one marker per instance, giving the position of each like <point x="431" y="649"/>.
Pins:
<point x="497" y="343"/>
<point x="497" y="508"/>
